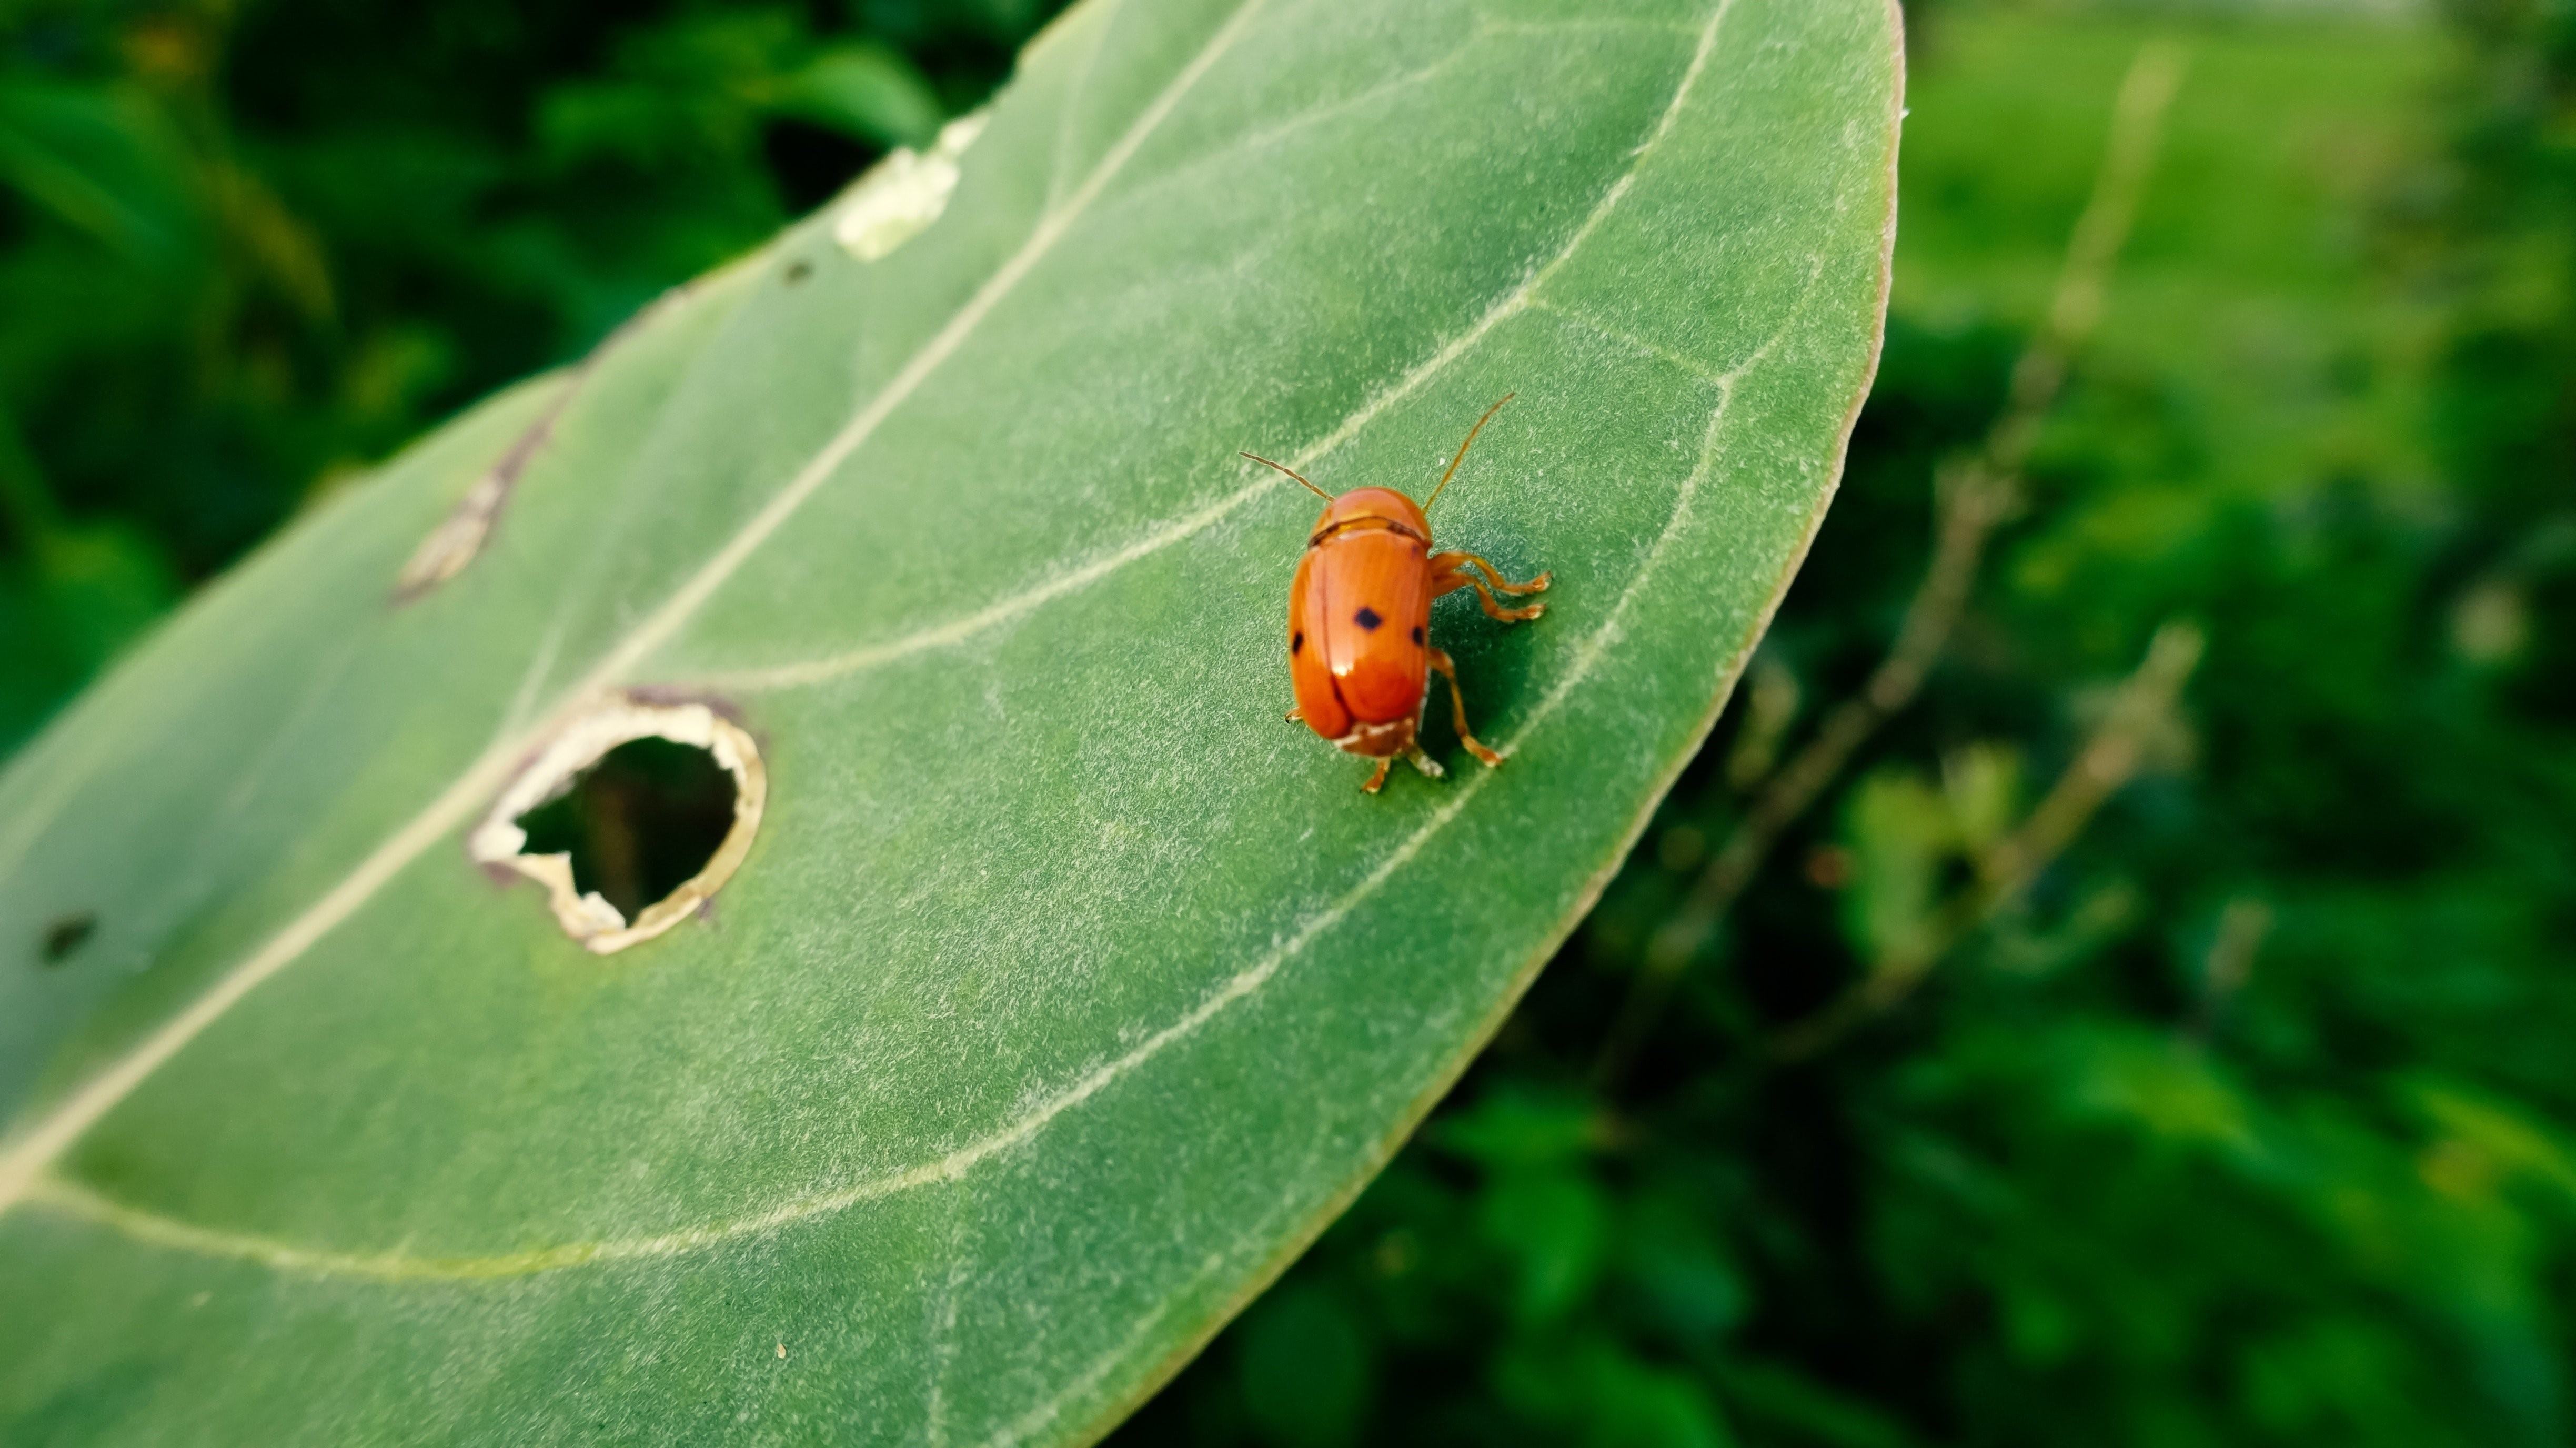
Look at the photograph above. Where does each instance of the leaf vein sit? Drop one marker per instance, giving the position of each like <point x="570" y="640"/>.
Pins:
<point x="1068" y="111"/>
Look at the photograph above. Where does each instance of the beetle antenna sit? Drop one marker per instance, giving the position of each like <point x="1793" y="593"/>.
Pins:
<point x="1462" y="449"/>
<point x="1292" y="472"/>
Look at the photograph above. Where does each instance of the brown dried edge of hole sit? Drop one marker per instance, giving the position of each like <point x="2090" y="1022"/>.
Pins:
<point x="499" y="842"/>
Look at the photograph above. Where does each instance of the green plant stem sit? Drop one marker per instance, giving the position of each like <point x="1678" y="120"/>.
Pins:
<point x="2242" y="928"/>
<point x="2110" y="758"/>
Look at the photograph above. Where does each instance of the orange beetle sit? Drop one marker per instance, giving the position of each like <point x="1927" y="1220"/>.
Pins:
<point x="1359" y="619"/>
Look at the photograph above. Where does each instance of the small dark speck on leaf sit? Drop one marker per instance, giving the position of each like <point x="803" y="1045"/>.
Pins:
<point x="66" y="935"/>
<point x="798" y="270"/>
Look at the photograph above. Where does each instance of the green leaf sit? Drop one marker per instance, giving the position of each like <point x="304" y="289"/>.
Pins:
<point x="1059" y="992"/>
<point x="1553" y="1229"/>
<point x="1900" y="833"/>
<point x="1595" y="1395"/>
<point x="104" y="162"/>
<point x="867" y="90"/>
<point x="1521" y="1128"/>
<point x="1305" y="1368"/>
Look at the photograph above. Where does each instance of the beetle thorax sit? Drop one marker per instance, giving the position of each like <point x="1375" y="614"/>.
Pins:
<point x="1373" y="508"/>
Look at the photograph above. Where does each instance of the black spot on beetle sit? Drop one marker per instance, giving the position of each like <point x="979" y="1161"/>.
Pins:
<point x="65" y="935"/>
<point x="1417" y="635"/>
<point x="1296" y="642"/>
<point x="1367" y="618"/>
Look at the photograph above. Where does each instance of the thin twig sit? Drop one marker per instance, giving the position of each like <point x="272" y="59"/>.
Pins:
<point x="1975" y="493"/>
<point x="1770" y="707"/>
<point x="2242" y="928"/>
<point x="2110" y="758"/>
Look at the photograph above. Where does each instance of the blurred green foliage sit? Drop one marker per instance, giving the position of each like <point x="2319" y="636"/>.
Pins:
<point x="2251" y="1120"/>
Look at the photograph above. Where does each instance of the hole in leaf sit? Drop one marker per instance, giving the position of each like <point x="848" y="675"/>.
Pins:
<point x="65" y="936"/>
<point x="632" y="818"/>
<point x="639" y="823"/>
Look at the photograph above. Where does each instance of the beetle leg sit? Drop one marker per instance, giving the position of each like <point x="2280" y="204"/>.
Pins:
<point x="1429" y="766"/>
<point x="1453" y="558"/>
<point x="1458" y="708"/>
<point x="1377" y="777"/>
<point x="1450" y="571"/>
<point x="1295" y="715"/>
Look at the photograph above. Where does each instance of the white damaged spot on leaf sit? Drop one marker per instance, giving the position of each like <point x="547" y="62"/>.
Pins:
<point x="502" y="840"/>
<point x="459" y="537"/>
<point x="902" y="194"/>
